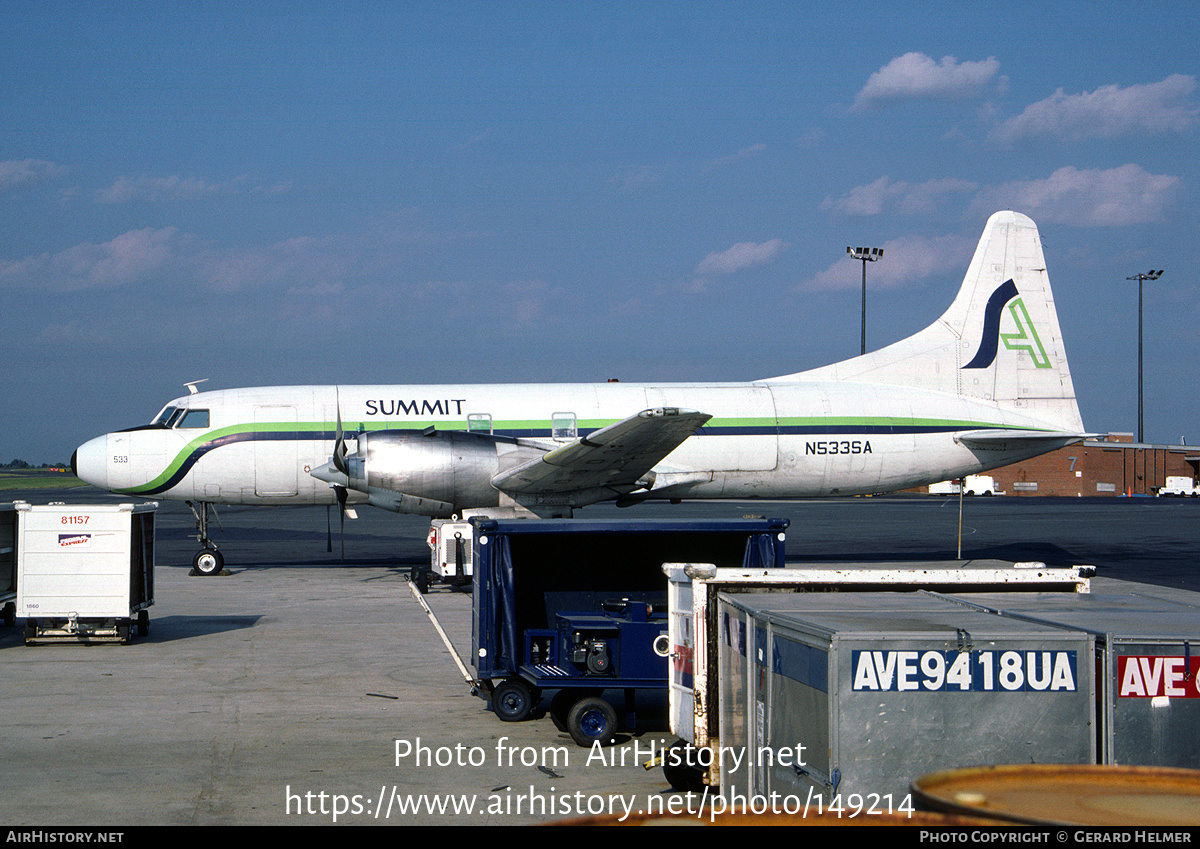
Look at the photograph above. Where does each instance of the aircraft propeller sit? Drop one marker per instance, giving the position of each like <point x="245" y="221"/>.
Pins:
<point x="340" y="452"/>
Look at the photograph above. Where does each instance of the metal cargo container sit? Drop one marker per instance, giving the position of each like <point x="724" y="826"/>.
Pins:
<point x="863" y="692"/>
<point x="1149" y="654"/>
<point x="692" y="590"/>
<point x="84" y="571"/>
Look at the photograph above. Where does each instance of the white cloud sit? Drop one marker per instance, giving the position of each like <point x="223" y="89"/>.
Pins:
<point x="126" y="259"/>
<point x="125" y="190"/>
<point x="917" y="76"/>
<point x="743" y="154"/>
<point x="905" y="261"/>
<point x="1076" y="196"/>
<point x="350" y="259"/>
<point x="318" y="266"/>
<point x="1085" y="196"/>
<point x="907" y="198"/>
<point x="866" y="200"/>
<point x="741" y="256"/>
<point x="635" y="179"/>
<point x="1108" y="111"/>
<point x="19" y="172"/>
<point x="146" y="188"/>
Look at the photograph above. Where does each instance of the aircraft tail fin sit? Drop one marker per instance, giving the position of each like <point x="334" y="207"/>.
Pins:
<point x="999" y="340"/>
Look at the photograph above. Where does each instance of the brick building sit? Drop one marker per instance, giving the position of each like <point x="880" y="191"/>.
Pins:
<point x="1113" y="465"/>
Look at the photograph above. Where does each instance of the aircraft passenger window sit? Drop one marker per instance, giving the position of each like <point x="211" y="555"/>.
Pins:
<point x="562" y="426"/>
<point x="194" y="418"/>
<point x="479" y="423"/>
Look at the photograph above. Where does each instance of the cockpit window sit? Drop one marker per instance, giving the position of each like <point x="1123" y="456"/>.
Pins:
<point x="194" y="418"/>
<point x="168" y="417"/>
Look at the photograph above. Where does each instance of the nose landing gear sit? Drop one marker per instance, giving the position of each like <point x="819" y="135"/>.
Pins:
<point x="208" y="561"/>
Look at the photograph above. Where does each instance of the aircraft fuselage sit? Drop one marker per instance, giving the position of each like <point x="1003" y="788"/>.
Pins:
<point x="764" y="440"/>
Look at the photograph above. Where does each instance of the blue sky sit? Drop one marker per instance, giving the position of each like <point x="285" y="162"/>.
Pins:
<point x="483" y="192"/>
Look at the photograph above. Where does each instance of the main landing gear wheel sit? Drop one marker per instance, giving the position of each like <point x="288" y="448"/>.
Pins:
<point x="512" y="700"/>
<point x="208" y="561"/>
<point x="592" y="720"/>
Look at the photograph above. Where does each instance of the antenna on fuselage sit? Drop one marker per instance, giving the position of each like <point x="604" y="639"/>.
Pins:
<point x="191" y="385"/>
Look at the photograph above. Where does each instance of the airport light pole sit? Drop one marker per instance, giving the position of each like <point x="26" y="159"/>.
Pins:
<point x="866" y="255"/>
<point x="1142" y="278"/>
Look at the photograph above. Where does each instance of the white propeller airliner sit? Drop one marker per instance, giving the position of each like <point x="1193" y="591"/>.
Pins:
<point x="985" y="385"/>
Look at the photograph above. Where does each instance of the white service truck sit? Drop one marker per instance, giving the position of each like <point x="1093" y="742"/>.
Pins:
<point x="1179" y="486"/>
<point x="971" y="485"/>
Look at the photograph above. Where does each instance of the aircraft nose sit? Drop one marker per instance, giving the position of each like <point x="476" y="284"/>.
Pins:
<point x="88" y="462"/>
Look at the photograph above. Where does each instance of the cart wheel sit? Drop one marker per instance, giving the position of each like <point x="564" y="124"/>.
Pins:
<point x="208" y="561"/>
<point x="420" y="577"/>
<point x="10" y="615"/>
<point x="143" y="623"/>
<point x="123" y="631"/>
<point x="684" y="776"/>
<point x="512" y="700"/>
<point x="592" y="720"/>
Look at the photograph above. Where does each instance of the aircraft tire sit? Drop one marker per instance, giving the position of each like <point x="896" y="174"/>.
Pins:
<point x="592" y="720"/>
<point x="512" y="700"/>
<point x="208" y="561"/>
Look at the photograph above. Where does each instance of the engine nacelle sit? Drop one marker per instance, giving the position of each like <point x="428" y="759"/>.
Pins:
<point x="436" y="473"/>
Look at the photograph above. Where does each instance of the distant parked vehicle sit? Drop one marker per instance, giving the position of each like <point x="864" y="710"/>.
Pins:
<point x="1179" y="486"/>
<point x="971" y="485"/>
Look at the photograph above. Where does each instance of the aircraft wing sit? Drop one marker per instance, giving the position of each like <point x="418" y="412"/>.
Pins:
<point x="618" y="456"/>
<point x="1006" y="439"/>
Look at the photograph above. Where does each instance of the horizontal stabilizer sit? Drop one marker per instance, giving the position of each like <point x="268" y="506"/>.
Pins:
<point x="619" y="455"/>
<point x="1000" y="439"/>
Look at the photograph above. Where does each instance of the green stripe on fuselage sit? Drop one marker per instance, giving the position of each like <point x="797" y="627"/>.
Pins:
<point x="764" y="425"/>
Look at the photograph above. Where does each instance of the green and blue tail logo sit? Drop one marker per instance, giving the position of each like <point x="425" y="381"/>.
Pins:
<point x="1024" y="339"/>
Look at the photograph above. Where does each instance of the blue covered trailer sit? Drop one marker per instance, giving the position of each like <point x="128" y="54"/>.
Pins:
<point x="576" y="607"/>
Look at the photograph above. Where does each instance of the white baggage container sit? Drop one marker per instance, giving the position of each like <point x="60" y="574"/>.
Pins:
<point x="450" y="550"/>
<point x="85" y="572"/>
<point x="8" y="565"/>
